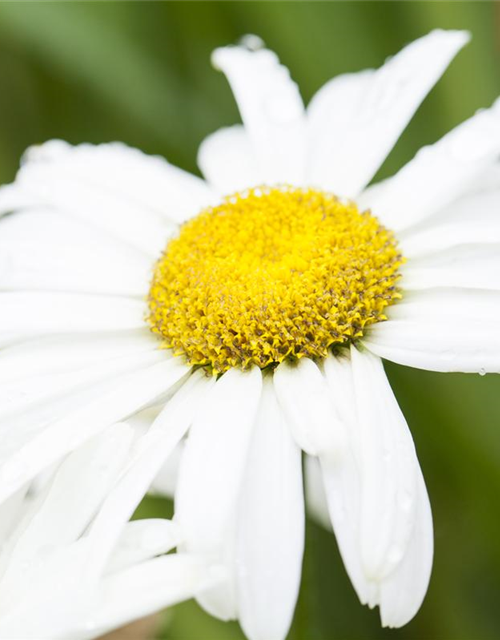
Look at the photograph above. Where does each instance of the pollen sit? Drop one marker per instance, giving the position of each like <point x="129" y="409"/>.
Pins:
<point x="270" y="274"/>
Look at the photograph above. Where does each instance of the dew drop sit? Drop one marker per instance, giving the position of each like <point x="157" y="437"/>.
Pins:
<point x="395" y="554"/>
<point x="251" y="42"/>
<point x="482" y="371"/>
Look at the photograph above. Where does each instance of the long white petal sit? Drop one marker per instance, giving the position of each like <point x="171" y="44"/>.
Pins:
<point x="473" y="266"/>
<point x="438" y="174"/>
<point x="26" y="393"/>
<point x="141" y="540"/>
<point x="121" y="597"/>
<point x="270" y="526"/>
<point x="271" y="109"/>
<point x="342" y="476"/>
<point x="45" y="250"/>
<point x="306" y="403"/>
<point x="139" y="182"/>
<point x="317" y="505"/>
<point x="146" y="588"/>
<point x="150" y="453"/>
<point x="470" y="219"/>
<point x="36" y="313"/>
<point x="226" y="159"/>
<point x="388" y="467"/>
<point x="441" y="329"/>
<point x="40" y="187"/>
<point x="165" y="481"/>
<point x="402" y="593"/>
<point x="72" y="499"/>
<point x="11" y="512"/>
<point x="355" y="119"/>
<point x="62" y="354"/>
<point x="211" y="473"/>
<point x="49" y="443"/>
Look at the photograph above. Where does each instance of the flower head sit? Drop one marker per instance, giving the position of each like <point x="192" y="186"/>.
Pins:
<point x="288" y="277"/>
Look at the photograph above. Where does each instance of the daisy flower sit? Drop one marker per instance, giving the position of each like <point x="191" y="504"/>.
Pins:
<point x="252" y="309"/>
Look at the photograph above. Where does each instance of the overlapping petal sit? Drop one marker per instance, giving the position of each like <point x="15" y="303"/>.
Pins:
<point x="271" y="109"/>
<point x="355" y="119"/>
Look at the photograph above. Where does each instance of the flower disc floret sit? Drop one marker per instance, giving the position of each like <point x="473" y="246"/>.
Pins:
<point x="270" y="274"/>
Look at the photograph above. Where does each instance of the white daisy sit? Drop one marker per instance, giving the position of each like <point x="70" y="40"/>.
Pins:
<point x="71" y="566"/>
<point x="280" y="282"/>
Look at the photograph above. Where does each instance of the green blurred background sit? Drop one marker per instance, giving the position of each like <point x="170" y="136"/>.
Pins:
<point x="140" y="72"/>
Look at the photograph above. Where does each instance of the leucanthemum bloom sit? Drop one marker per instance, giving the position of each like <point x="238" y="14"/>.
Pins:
<point x="252" y="309"/>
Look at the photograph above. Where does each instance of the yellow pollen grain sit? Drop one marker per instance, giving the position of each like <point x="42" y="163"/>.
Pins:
<point x="270" y="274"/>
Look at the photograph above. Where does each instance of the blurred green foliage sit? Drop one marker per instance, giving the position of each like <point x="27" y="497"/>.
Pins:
<point x="140" y="72"/>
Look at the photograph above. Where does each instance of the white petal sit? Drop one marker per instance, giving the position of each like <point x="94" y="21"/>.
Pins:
<point x="388" y="466"/>
<point x="126" y="395"/>
<point x="40" y="187"/>
<point x="270" y="526"/>
<point x="342" y="476"/>
<point x="165" y="481"/>
<point x="437" y="238"/>
<point x="473" y="266"/>
<point x="142" y="540"/>
<point x="441" y="330"/>
<point x="26" y="393"/>
<point x="355" y="119"/>
<point x="226" y="159"/>
<point x="317" y="506"/>
<point x="120" y="598"/>
<point x="11" y="512"/>
<point x="271" y="109"/>
<point x="146" y="588"/>
<point x="149" y="181"/>
<point x="306" y="403"/>
<point x="472" y="218"/>
<point x="438" y="174"/>
<point x="35" y="314"/>
<point x="45" y="250"/>
<point x="402" y="593"/>
<point x="150" y="453"/>
<point x="62" y="354"/>
<point x="72" y="499"/>
<point x="211" y="472"/>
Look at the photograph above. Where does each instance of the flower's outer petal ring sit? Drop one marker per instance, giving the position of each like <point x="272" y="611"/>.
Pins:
<point x="271" y="109"/>
<point x="270" y="526"/>
<point x="441" y="329"/>
<point x="355" y="119"/>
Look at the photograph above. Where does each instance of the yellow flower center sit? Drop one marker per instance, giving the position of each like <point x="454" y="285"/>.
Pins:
<point x="269" y="274"/>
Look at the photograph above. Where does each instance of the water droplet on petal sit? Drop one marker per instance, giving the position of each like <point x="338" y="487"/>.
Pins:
<point x="251" y="42"/>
